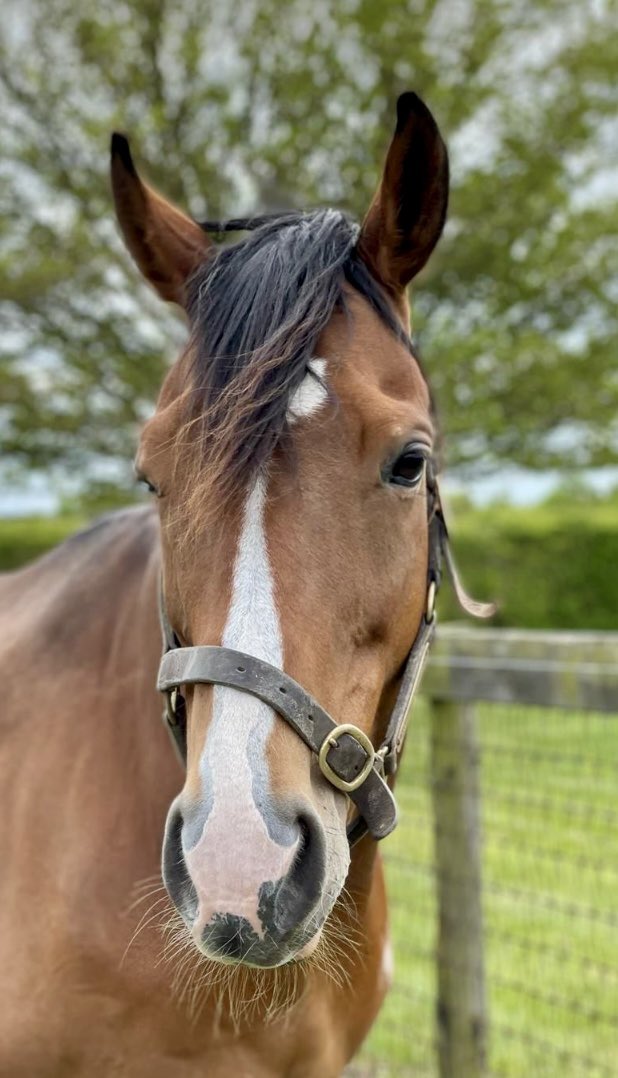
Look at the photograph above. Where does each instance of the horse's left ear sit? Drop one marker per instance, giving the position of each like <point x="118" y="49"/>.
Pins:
<point x="407" y="214"/>
<point x="167" y="246"/>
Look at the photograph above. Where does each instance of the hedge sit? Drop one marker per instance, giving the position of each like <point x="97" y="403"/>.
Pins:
<point x="23" y="540"/>
<point x="546" y="566"/>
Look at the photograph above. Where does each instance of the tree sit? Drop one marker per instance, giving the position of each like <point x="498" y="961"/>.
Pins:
<point x="270" y="103"/>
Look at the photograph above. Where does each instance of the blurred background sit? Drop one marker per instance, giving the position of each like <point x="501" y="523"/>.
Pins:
<point x="266" y="104"/>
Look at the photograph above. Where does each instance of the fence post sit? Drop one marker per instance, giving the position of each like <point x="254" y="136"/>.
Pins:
<point x="461" y="1008"/>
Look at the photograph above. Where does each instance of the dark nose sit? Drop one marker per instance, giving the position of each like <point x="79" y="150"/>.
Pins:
<point x="231" y="937"/>
<point x="298" y="894"/>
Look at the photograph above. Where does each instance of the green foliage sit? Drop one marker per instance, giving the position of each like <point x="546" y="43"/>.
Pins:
<point x="235" y="107"/>
<point x="23" y="540"/>
<point x="549" y="566"/>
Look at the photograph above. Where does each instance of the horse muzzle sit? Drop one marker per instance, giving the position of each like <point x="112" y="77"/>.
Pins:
<point x="233" y="913"/>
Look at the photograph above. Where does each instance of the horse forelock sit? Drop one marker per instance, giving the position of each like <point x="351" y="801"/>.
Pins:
<point x="257" y="309"/>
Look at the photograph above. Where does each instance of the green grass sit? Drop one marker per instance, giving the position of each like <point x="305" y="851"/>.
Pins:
<point x="550" y="896"/>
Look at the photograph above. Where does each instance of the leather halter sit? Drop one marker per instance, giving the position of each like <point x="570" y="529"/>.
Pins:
<point x="346" y="756"/>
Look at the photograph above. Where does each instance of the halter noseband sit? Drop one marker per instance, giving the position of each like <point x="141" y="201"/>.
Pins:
<point x="346" y="756"/>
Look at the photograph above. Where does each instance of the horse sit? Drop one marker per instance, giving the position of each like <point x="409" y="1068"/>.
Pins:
<point x="290" y="554"/>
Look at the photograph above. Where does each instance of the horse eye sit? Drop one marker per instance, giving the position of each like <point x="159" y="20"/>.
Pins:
<point x="408" y="469"/>
<point x="144" y="482"/>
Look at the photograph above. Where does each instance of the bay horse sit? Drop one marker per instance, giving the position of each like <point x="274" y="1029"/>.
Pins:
<point x="288" y="550"/>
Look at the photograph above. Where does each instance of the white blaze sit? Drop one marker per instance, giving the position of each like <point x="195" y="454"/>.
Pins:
<point x="311" y="393"/>
<point x="235" y="854"/>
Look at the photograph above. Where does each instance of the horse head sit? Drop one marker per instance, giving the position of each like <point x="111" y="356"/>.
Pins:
<point x="290" y="454"/>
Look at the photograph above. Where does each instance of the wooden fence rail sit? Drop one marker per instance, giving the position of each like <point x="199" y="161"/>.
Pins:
<point x="546" y="669"/>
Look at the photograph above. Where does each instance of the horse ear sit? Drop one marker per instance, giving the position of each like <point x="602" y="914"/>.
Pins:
<point x="408" y="211"/>
<point x="167" y="246"/>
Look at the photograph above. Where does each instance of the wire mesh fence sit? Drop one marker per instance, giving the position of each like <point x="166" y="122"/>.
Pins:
<point x="545" y="960"/>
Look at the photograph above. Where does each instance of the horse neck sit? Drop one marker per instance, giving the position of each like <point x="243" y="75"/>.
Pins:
<point x="132" y="647"/>
<point x="102" y="613"/>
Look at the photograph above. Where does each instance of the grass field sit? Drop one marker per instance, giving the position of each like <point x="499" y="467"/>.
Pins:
<point x="550" y="892"/>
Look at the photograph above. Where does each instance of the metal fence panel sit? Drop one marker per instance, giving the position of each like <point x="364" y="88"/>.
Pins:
<point x="503" y="874"/>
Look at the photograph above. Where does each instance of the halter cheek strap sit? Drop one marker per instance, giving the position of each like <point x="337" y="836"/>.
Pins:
<point x="345" y="754"/>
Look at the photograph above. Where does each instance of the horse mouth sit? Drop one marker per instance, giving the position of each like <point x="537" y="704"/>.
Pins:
<point x="232" y="940"/>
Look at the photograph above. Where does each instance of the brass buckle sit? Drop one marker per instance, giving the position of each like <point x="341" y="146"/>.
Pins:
<point x="330" y="741"/>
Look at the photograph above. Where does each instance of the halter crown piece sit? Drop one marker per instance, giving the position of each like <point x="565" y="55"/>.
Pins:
<point x="346" y="756"/>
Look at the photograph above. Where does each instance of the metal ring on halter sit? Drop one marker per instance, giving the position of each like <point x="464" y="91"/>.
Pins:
<point x="171" y="699"/>
<point x="430" y="609"/>
<point x="330" y="741"/>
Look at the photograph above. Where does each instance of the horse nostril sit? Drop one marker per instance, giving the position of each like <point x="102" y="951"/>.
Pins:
<point x="175" y="873"/>
<point x="304" y="839"/>
<point x="301" y="890"/>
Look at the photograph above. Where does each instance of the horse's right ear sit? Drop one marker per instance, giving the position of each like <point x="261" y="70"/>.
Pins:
<point x="166" y="245"/>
